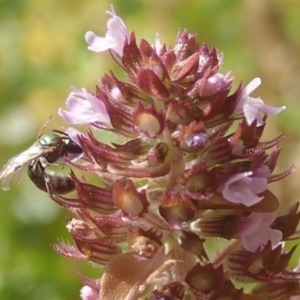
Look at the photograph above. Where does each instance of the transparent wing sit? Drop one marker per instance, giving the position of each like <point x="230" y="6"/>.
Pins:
<point x="12" y="179"/>
<point x="11" y="173"/>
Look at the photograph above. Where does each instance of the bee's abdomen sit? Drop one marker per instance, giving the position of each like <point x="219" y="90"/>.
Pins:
<point x="59" y="183"/>
<point x="35" y="172"/>
<point x="42" y="177"/>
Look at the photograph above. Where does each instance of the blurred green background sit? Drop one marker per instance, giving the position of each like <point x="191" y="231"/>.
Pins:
<point x="43" y="53"/>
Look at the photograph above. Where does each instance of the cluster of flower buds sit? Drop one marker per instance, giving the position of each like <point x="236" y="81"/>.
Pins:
<point x="189" y="167"/>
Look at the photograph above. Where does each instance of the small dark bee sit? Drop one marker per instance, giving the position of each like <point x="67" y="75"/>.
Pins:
<point x="48" y="180"/>
<point x="47" y="150"/>
<point x="57" y="144"/>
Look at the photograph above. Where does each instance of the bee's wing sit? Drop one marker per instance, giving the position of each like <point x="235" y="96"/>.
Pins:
<point x="12" y="179"/>
<point x="10" y="175"/>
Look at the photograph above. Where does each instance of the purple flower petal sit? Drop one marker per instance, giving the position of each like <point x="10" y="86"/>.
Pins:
<point x="255" y="231"/>
<point x="87" y="293"/>
<point x="216" y="83"/>
<point x="98" y="44"/>
<point x="114" y="38"/>
<point x="258" y="185"/>
<point x="242" y="189"/>
<point x="158" y="46"/>
<point x="84" y="108"/>
<point x="253" y="108"/>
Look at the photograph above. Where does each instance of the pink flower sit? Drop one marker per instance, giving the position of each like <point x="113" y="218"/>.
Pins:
<point x="84" y="108"/>
<point x="87" y="293"/>
<point x="261" y="171"/>
<point x="114" y="38"/>
<point x="255" y="231"/>
<point x="158" y="45"/>
<point x="242" y="189"/>
<point x="254" y="107"/>
<point x="216" y="83"/>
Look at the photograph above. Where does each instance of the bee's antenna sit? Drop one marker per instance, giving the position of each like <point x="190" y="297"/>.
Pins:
<point x="59" y="131"/>
<point x="44" y="127"/>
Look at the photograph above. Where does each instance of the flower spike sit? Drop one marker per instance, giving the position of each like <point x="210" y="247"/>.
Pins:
<point x="186" y="162"/>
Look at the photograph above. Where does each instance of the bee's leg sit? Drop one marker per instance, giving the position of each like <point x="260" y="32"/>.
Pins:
<point x="48" y="185"/>
<point x="49" y="188"/>
<point x="41" y="132"/>
<point x="45" y="163"/>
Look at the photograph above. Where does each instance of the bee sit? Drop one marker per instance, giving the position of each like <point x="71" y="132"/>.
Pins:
<point x="48" y="180"/>
<point x="47" y="150"/>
